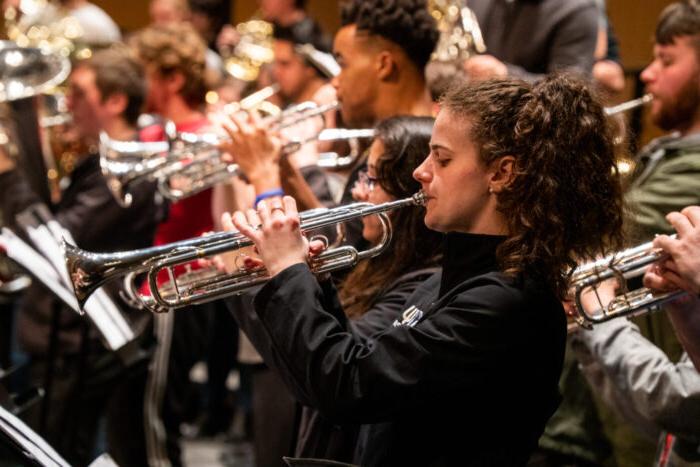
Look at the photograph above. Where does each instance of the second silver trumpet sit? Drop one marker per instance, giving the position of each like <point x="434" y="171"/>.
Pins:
<point x="187" y="163"/>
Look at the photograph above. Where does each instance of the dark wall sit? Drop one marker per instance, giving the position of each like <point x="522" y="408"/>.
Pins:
<point x="133" y="14"/>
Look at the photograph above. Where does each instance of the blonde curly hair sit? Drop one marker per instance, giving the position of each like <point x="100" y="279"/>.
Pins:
<point x="175" y="48"/>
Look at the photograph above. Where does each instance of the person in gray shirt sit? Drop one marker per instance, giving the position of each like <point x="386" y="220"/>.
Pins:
<point x="529" y="38"/>
<point x="638" y="380"/>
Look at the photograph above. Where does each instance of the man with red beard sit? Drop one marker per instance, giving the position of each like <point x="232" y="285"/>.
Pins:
<point x="667" y="169"/>
<point x="667" y="175"/>
<point x="637" y="367"/>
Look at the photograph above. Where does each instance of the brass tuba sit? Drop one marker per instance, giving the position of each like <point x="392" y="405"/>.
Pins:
<point x="27" y="72"/>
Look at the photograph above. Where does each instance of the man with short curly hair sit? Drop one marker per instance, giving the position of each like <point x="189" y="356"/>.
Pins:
<point x="382" y="49"/>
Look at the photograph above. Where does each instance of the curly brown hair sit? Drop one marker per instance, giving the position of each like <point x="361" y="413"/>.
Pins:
<point x="564" y="203"/>
<point x="175" y="48"/>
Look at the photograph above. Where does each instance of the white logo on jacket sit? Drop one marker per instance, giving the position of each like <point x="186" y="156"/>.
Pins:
<point x="410" y="317"/>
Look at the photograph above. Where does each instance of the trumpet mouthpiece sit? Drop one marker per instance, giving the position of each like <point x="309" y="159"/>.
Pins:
<point x="419" y="198"/>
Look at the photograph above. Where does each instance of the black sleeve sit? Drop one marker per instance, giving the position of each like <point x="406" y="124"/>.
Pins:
<point x="90" y="213"/>
<point x="368" y="380"/>
<point x="317" y="180"/>
<point x="15" y="195"/>
<point x="388" y="306"/>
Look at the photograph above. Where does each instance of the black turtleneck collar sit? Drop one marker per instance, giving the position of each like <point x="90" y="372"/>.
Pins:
<point x="467" y="255"/>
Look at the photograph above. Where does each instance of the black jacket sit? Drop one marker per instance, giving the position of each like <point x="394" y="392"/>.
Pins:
<point x="319" y="437"/>
<point x="468" y="378"/>
<point x="97" y="223"/>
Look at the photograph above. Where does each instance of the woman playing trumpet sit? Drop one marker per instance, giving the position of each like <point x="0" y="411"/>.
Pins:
<point x="373" y="293"/>
<point x="522" y="181"/>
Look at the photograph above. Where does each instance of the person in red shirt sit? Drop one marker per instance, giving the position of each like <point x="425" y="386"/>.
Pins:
<point x="173" y="56"/>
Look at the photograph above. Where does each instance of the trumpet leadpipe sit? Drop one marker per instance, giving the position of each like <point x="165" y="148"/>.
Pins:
<point x="629" y="105"/>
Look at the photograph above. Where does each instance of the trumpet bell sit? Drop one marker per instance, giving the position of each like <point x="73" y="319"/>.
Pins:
<point x="26" y="72"/>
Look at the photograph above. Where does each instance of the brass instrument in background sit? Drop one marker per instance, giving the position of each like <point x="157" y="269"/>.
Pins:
<point x="460" y="38"/>
<point x="251" y="52"/>
<point x="460" y="34"/>
<point x="621" y="266"/>
<point x="46" y="25"/>
<point x="50" y="26"/>
<point x="625" y="164"/>
<point x="24" y="72"/>
<point x="27" y="72"/>
<point x="255" y="101"/>
<point x="188" y="163"/>
<point x="88" y="271"/>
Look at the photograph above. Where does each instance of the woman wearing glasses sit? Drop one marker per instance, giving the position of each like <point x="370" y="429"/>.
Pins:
<point x="373" y="294"/>
<point x="521" y="179"/>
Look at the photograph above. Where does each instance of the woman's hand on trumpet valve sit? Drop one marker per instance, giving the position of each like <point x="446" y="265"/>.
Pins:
<point x="682" y="269"/>
<point x="275" y="230"/>
<point x="254" y="148"/>
<point x="241" y="259"/>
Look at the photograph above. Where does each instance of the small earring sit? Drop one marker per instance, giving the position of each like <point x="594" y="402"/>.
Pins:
<point x="490" y="190"/>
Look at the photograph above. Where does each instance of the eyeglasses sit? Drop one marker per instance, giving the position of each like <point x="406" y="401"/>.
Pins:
<point x="367" y="180"/>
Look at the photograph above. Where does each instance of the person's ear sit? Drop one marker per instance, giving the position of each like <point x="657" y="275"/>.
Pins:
<point x="116" y="103"/>
<point x="502" y="173"/>
<point x="175" y="82"/>
<point x="385" y="65"/>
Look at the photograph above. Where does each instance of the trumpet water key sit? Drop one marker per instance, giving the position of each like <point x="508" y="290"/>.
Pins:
<point x="88" y="271"/>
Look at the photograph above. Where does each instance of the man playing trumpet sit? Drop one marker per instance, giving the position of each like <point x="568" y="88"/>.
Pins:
<point x="640" y="378"/>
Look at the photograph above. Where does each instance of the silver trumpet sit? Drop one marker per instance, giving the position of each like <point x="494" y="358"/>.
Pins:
<point x="622" y="266"/>
<point x="187" y="163"/>
<point x="89" y="271"/>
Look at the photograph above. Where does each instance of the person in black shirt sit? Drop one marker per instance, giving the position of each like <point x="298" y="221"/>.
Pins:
<point x="372" y="295"/>
<point x="522" y="180"/>
<point x="105" y="93"/>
